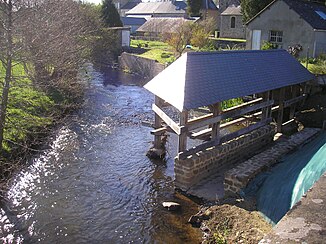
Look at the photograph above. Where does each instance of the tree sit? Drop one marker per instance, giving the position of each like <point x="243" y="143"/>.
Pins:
<point x="110" y="14"/>
<point x="179" y="38"/>
<point x="193" y="8"/>
<point x="250" y="8"/>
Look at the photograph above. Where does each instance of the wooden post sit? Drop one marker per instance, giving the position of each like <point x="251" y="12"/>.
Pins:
<point x="280" y="110"/>
<point x="295" y="93"/>
<point x="266" y="112"/>
<point x="183" y="135"/>
<point x="157" y="124"/>
<point x="216" y="126"/>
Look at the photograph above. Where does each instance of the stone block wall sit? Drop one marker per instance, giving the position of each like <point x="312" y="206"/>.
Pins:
<point x="192" y="170"/>
<point x="143" y="66"/>
<point x="237" y="178"/>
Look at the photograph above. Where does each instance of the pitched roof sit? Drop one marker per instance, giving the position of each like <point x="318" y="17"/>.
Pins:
<point x="177" y="7"/>
<point x="203" y="78"/>
<point x="131" y="4"/>
<point x="306" y="10"/>
<point x="208" y="4"/>
<point x="133" y="20"/>
<point x="232" y="10"/>
<point x="161" y="25"/>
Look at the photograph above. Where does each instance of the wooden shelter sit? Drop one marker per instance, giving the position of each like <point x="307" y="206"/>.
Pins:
<point x="206" y="79"/>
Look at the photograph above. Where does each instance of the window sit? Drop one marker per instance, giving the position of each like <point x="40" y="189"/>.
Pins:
<point x="232" y="22"/>
<point x="276" y="36"/>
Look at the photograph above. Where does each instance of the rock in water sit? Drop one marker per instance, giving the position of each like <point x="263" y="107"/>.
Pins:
<point x="172" y="206"/>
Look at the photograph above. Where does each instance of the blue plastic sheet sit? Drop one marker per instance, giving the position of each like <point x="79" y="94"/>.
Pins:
<point x="279" y="189"/>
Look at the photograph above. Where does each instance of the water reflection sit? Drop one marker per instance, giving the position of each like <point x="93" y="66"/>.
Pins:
<point x="96" y="185"/>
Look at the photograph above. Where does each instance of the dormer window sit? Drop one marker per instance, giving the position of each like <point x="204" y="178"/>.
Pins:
<point x="233" y="22"/>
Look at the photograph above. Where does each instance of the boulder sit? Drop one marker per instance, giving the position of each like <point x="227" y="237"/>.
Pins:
<point x="171" y="206"/>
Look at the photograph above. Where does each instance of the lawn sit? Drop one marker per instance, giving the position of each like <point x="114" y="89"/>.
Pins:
<point x="156" y="50"/>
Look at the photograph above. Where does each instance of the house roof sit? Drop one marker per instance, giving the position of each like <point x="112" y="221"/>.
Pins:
<point x="133" y="21"/>
<point x="131" y="4"/>
<point x="232" y="10"/>
<point x="306" y="10"/>
<point x="162" y="25"/>
<point x="208" y="4"/>
<point x="203" y="78"/>
<point x="177" y="7"/>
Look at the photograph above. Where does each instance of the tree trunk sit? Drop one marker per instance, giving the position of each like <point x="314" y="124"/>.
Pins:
<point x="8" y="66"/>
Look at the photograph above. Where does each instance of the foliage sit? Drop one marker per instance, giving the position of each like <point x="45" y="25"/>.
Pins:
<point x="231" y="103"/>
<point x="110" y="14"/>
<point x="193" y="7"/>
<point x="200" y="34"/>
<point x="250" y="8"/>
<point x="29" y="110"/>
<point x="316" y="65"/>
<point x="267" y="46"/>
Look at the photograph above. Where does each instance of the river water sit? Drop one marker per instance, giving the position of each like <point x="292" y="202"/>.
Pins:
<point x="95" y="184"/>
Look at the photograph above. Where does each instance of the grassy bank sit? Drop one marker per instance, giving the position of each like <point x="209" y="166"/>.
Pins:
<point x="29" y="113"/>
<point x="156" y="50"/>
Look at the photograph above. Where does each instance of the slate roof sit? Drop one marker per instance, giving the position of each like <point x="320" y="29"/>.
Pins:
<point x="202" y="78"/>
<point x="177" y="7"/>
<point x="161" y="25"/>
<point x="133" y="21"/>
<point x="208" y="4"/>
<point x="130" y="5"/>
<point x="232" y="10"/>
<point x="306" y="10"/>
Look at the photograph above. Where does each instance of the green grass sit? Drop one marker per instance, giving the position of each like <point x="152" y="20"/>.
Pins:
<point x="156" y="50"/>
<point x="317" y="68"/>
<point x="28" y="108"/>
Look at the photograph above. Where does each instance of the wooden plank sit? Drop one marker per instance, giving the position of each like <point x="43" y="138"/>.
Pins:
<point x="159" y="131"/>
<point x="216" y="126"/>
<point x="185" y="154"/>
<point x="208" y="131"/>
<point x="246" y="130"/>
<point x="157" y="124"/>
<point x="266" y="111"/>
<point x="210" y="115"/>
<point x="288" y="103"/>
<point x="182" y="140"/>
<point x="280" y="110"/>
<point x="229" y="114"/>
<point x="174" y="126"/>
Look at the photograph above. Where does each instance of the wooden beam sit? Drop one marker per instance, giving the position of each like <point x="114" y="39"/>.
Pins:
<point x="159" y="131"/>
<point x="157" y="124"/>
<point x="182" y="140"/>
<point x="210" y="115"/>
<point x="201" y="147"/>
<point x="229" y="114"/>
<point x="267" y="110"/>
<point x="294" y="100"/>
<point x="280" y="110"/>
<point x="208" y="131"/>
<point x="174" y="126"/>
<point x="216" y="126"/>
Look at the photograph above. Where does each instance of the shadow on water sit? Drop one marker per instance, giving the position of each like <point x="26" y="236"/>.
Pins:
<point x="279" y="189"/>
<point x="96" y="185"/>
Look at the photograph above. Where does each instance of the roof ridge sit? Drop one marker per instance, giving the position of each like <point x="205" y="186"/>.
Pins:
<point x="234" y="51"/>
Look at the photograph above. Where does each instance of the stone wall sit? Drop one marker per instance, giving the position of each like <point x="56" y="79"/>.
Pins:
<point x="145" y="67"/>
<point x="195" y="168"/>
<point x="238" y="177"/>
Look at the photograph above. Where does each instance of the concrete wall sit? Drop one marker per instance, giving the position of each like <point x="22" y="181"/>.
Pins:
<point x="279" y="17"/>
<point x="195" y="168"/>
<point x="143" y="66"/>
<point x="225" y="27"/>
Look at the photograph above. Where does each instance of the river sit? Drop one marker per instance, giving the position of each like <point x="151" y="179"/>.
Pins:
<point x="95" y="184"/>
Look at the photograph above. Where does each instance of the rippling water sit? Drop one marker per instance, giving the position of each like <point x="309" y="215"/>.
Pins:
<point x="95" y="185"/>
